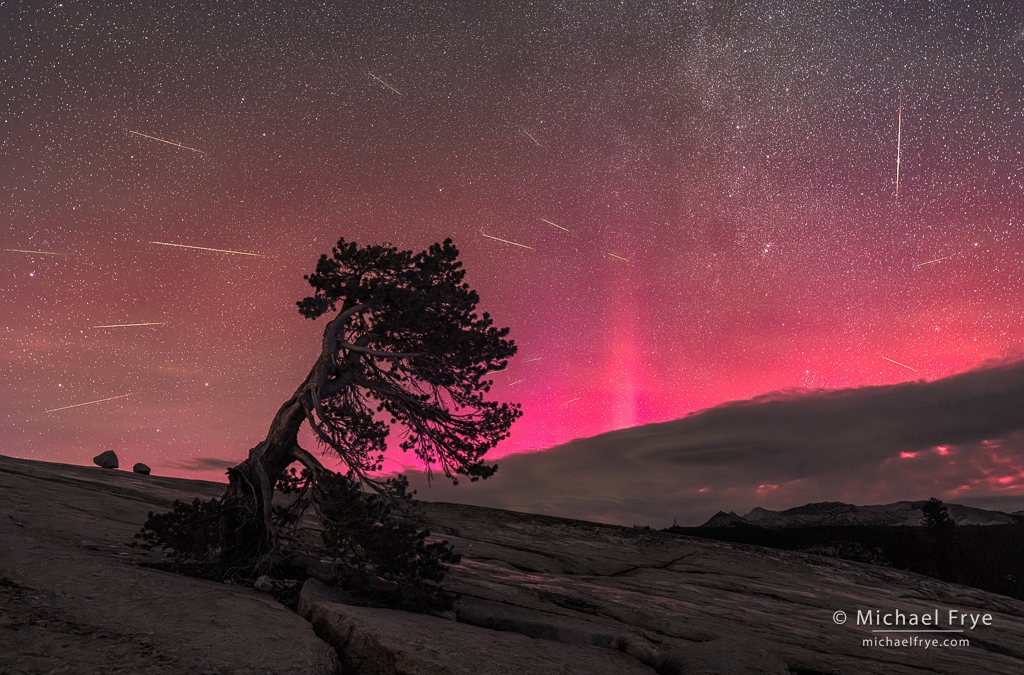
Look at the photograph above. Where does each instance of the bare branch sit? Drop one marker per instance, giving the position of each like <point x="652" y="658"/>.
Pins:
<point x="307" y="460"/>
<point x="336" y="325"/>
<point x="384" y="355"/>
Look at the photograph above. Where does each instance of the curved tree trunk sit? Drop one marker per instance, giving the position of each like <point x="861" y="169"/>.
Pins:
<point x="276" y="451"/>
<point x="252" y="481"/>
<point x="254" y="478"/>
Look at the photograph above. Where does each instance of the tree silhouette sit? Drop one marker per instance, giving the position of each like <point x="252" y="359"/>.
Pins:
<point x="939" y="540"/>
<point x="936" y="514"/>
<point x="407" y="351"/>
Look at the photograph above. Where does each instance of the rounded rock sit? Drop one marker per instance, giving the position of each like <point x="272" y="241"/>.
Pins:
<point x="106" y="460"/>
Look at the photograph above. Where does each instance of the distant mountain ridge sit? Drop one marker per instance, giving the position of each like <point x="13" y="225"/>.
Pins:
<point x="822" y="514"/>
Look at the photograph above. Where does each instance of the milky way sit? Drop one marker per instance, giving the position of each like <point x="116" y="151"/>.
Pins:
<point x="722" y="175"/>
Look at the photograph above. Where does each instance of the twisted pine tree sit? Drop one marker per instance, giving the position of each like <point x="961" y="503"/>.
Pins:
<point x="405" y="348"/>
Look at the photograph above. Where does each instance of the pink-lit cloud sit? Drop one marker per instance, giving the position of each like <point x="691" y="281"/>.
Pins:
<point x="865" y="445"/>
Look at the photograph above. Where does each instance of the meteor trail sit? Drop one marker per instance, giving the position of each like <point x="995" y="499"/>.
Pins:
<point x="127" y="325"/>
<point x="545" y="220"/>
<point x="530" y="136"/>
<point x="508" y="242"/>
<point x="78" y="405"/>
<point x="516" y="382"/>
<point x="177" y="145"/>
<point x="203" y="248"/>
<point x="618" y="257"/>
<point x="573" y="400"/>
<point x="384" y="83"/>
<point x="933" y="261"/>
<point x="900" y="364"/>
<point x="899" y="139"/>
<point x="535" y="358"/>
<point x="21" y="250"/>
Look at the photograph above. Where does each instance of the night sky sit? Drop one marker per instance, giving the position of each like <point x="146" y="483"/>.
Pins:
<point x="703" y="195"/>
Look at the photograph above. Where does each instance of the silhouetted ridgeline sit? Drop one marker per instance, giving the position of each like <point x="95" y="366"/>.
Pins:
<point x="989" y="557"/>
<point x="839" y="513"/>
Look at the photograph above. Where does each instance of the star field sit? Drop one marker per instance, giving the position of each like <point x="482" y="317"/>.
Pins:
<point x="706" y="191"/>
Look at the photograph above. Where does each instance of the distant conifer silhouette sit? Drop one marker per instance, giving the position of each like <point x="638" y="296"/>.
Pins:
<point x="936" y="514"/>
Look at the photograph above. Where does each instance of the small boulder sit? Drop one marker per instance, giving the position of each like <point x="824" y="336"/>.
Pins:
<point x="263" y="583"/>
<point x="141" y="468"/>
<point x="107" y="459"/>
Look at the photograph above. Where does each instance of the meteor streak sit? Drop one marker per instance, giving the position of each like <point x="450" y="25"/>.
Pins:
<point x="573" y="400"/>
<point x="933" y="261"/>
<point x="162" y="140"/>
<point x="618" y="257"/>
<point x="535" y="358"/>
<point x="127" y="325"/>
<point x="21" y="250"/>
<point x="384" y="83"/>
<point x="203" y="248"/>
<point x="899" y="138"/>
<point x="530" y="136"/>
<point x="545" y="220"/>
<point x="900" y="364"/>
<point x="516" y="382"/>
<point x="508" y="242"/>
<point x="78" y="405"/>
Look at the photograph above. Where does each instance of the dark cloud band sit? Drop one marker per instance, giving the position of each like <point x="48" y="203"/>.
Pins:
<point x="960" y="436"/>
